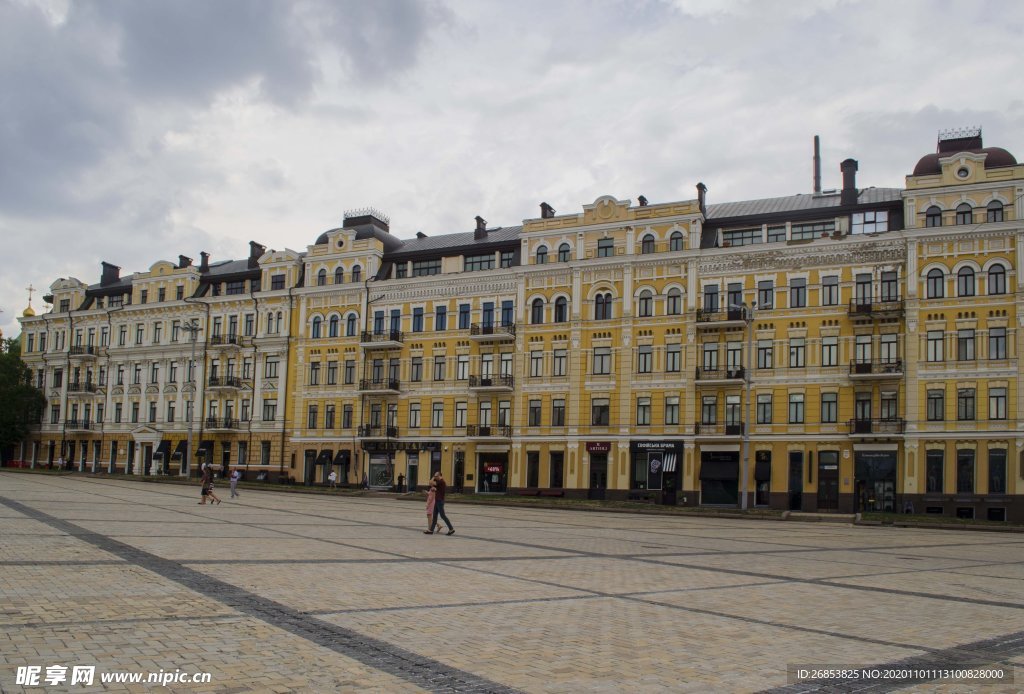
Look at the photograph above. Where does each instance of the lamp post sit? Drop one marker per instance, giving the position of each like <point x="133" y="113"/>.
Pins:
<point x="748" y="318"/>
<point x="193" y="329"/>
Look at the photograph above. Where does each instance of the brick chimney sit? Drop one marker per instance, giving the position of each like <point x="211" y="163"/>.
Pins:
<point x="702" y="191"/>
<point x="546" y="211"/>
<point x="184" y="261"/>
<point x="481" y="228"/>
<point x="110" y="274"/>
<point x="849" y="193"/>
<point x="255" y="251"/>
<point x="204" y="262"/>
<point x="642" y="200"/>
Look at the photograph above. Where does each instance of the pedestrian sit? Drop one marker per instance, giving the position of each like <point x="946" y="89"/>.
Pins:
<point x="204" y="483"/>
<point x="207" y="484"/>
<point x="333" y="479"/>
<point x="235" y="476"/>
<point x="439" y="485"/>
<point x="431" y="500"/>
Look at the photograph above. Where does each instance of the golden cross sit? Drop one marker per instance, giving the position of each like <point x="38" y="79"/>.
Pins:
<point x="30" y="289"/>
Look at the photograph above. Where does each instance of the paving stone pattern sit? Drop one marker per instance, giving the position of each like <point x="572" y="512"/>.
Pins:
<point x="284" y="592"/>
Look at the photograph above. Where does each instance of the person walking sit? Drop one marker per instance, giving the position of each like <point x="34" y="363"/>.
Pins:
<point x="333" y="479"/>
<point x="208" y="486"/>
<point x="235" y="476"/>
<point x="431" y="500"/>
<point x="439" y="486"/>
<point x="204" y="483"/>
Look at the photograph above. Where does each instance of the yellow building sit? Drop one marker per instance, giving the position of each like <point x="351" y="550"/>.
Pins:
<point x="852" y="349"/>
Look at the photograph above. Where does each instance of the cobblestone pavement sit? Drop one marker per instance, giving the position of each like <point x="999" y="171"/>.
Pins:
<point x="285" y="592"/>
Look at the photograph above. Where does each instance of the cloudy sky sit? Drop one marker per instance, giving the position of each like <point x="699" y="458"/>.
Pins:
<point x="137" y="130"/>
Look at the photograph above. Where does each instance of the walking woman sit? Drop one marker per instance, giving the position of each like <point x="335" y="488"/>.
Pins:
<point x="431" y="500"/>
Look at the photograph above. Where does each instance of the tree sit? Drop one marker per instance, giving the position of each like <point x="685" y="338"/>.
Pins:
<point x="21" y="404"/>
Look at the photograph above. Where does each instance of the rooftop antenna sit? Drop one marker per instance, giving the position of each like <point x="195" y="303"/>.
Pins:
<point x="817" y="165"/>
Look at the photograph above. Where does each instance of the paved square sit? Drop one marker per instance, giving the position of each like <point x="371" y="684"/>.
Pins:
<point x="291" y="592"/>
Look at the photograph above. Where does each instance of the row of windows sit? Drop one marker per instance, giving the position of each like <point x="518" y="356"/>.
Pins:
<point x="964" y="472"/>
<point x="966" y="282"/>
<point x="964" y="214"/>
<point x="338" y="277"/>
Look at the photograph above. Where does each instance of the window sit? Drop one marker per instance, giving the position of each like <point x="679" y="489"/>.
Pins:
<point x="414" y="415"/>
<point x="964" y="471"/>
<point x="764" y="408"/>
<point x="709" y="409"/>
<point x="508" y="258"/>
<point x="602" y="360"/>
<point x="135" y="413"/>
<point x="315" y="330"/>
<point x="277" y="282"/>
<point x="965" y="282"/>
<point x="534" y="413"/>
<point x="965" y="345"/>
<point x="460" y="414"/>
<point x="437" y="415"/>
<point x="934" y="471"/>
<point x="154" y="372"/>
<point x="798" y="293"/>
<point x="647" y="245"/>
<point x="672" y="410"/>
<point x="463" y="316"/>
<point x="559" y="362"/>
<point x="645" y="359"/>
<point x="332" y="326"/>
<point x="829" y="408"/>
<point x="675" y="241"/>
<point x="830" y="351"/>
<point x="339" y="275"/>
<point x="888" y="406"/>
<point x="603" y="307"/>
<point x="235" y="287"/>
<point x="421" y="268"/>
<point x="935" y="346"/>
<point x="645" y="307"/>
<point x="417" y="319"/>
<point x="709" y="356"/>
<point x="537" y="311"/>
<point x="964" y="213"/>
<point x="311" y="417"/>
<point x="888" y="351"/>
<point x="250" y="324"/>
<point x="710" y="299"/>
<point x="439" y="368"/>
<point x="599" y="412"/>
<point x="994" y="211"/>
<point x="564" y="252"/>
<point x="742" y="237"/>
<point x="812" y="230"/>
<point x="542" y="255"/>
<point x="936" y="405"/>
<point x="965" y="404"/>
<point x="997" y="403"/>
<point x="314" y="374"/>
<point x="797" y="353"/>
<point x="536" y="363"/>
<point x="933" y="217"/>
<point x="997" y="279"/>
<point x="643" y="412"/>
<point x="997" y="471"/>
<point x="862" y="349"/>
<point x="870" y="222"/>
<point x="765" y="357"/>
<point x="558" y="412"/>
<point x="321" y="278"/>
<point x="796" y="408"/>
<point x="350" y="325"/>
<point x="139" y="332"/>
<point x="889" y="289"/>
<point x="997" y="343"/>
<point x="673" y="358"/>
<point x="605" y="248"/>
<point x="329" y="416"/>
<point x="356" y="273"/>
<point x="270" y="367"/>
<point x="472" y="263"/>
<point x="765" y="294"/>
<point x="674" y="304"/>
<point x="350" y="371"/>
<point x="561" y="310"/>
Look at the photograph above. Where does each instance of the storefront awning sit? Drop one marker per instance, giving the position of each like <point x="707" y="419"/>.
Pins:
<point x="670" y="461"/>
<point x="179" y="450"/>
<point x="763" y="470"/>
<point x="342" y="458"/>
<point x="206" y="448"/>
<point x="164" y="448"/>
<point x="719" y="470"/>
<point x="325" y="457"/>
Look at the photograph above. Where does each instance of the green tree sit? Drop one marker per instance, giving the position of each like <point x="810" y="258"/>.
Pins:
<point x="21" y="404"/>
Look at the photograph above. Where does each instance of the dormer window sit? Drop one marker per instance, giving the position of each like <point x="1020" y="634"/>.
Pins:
<point x="65" y="305"/>
<point x="869" y="222"/>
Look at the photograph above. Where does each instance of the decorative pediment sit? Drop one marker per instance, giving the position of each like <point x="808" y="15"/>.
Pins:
<point x="134" y="390"/>
<point x="117" y="390"/>
<point x="606" y="209"/>
<point x="153" y="390"/>
<point x="170" y="388"/>
<point x="270" y="385"/>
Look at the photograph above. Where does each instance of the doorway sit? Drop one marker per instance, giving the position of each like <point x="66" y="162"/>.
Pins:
<point x="828" y="481"/>
<point x="412" y="474"/>
<point x="147" y="458"/>
<point x="309" y="468"/>
<point x="796" y="480"/>
<point x="129" y="465"/>
<point x="493" y="473"/>
<point x="598" y="476"/>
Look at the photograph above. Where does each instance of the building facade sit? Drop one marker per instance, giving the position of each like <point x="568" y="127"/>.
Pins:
<point x="845" y="350"/>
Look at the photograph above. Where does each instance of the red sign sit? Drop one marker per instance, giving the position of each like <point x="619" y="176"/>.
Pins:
<point x="598" y="446"/>
<point x="492" y="468"/>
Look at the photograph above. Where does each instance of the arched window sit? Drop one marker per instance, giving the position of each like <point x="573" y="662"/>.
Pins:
<point x="994" y="211"/>
<point x="317" y="323"/>
<point x="542" y="255"/>
<point x="997" y="279"/>
<point x="564" y="252"/>
<point x="356" y="272"/>
<point x="933" y="217"/>
<point x="675" y="242"/>
<point x="350" y="325"/>
<point x="561" y="310"/>
<point x="936" y="288"/>
<point x="537" y="311"/>
<point x="321" y="278"/>
<point x="339" y="275"/>
<point x="332" y="327"/>
<point x="965" y="282"/>
<point x="674" y="307"/>
<point x="603" y="307"/>
<point x="280" y="317"/>
<point x="963" y="213"/>
<point x="645" y="309"/>
<point x="270" y="322"/>
<point x="647" y="245"/>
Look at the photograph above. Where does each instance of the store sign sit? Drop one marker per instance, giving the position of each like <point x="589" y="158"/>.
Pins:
<point x="655" y="445"/>
<point x="598" y="446"/>
<point x="492" y="469"/>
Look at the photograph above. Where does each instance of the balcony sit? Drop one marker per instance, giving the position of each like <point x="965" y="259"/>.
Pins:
<point x="477" y="432"/>
<point x="866" y="370"/>
<point x="225" y="342"/>
<point x="732" y="318"/>
<point x="81" y="388"/>
<point x="492" y="333"/>
<point x="387" y="386"/>
<point x="876" y="427"/>
<point x="718" y="430"/>
<point x="84" y="353"/>
<point x="381" y="339"/>
<point x="730" y="375"/>
<point x="78" y="425"/>
<point x="225" y="382"/>
<point x="367" y="431"/>
<point x="867" y="308"/>
<point x="504" y="382"/>
<point x="220" y="424"/>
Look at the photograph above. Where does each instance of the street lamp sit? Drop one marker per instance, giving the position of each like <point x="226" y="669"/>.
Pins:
<point x="193" y="329"/>
<point x="748" y="318"/>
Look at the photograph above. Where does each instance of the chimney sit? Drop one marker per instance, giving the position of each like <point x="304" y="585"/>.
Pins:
<point x="817" y="166"/>
<point x="546" y="211"/>
<point x="110" y="274"/>
<point x="420" y="235"/>
<point x="849" y="194"/>
<point x="204" y="262"/>
<point x="481" y="228"/>
<point x="184" y="261"/>
<point x="642" y="200"/>
<point x="701" y="192"/>
<point x="255" y="251"/>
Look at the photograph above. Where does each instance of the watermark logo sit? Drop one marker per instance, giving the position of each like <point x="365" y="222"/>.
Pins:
<point x="85" y="675"/>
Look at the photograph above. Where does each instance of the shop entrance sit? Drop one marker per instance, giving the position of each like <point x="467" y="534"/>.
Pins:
<point x="828" y="481"/>
<point x="875" y="480"/>
<point x="492" y="475"/>
<point x="719" y="478"/>
<point x="598" y="476"/>
<point x="796" y="480"/>
<point x="412" y="475"/>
